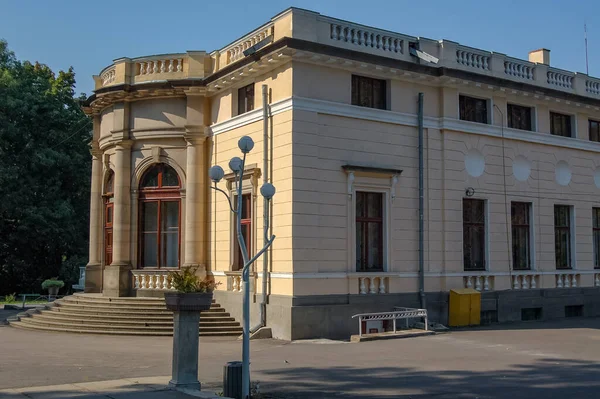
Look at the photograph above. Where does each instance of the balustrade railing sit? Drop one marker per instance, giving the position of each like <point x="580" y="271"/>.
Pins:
<point x="159" y="65"/>
<point x="372" y="285"/>
<point x="525" y="281"/>
<point x="152" y="280"/>
<point x="597" y="280"/>
<point x="564" y="280"/>
<point x="369" y="38"/>
<point x="236" y="50"/>
<point x="592" y="87"/>
<point x="560" y="79"/>
<point x="518" y="69"/>
<point x="108" y="76"/>
<point x="467" y="57"/>
<point x="234" y="283"/>
<point x="479" y="282"/>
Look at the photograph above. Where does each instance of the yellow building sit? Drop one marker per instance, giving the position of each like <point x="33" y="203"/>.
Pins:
<point x="511" y="175"/>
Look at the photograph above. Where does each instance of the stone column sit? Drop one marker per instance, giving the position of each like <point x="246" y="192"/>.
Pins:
<point x="195" y="204"/>
<point x="116" y="275"/>
<point x="93" y="270"/>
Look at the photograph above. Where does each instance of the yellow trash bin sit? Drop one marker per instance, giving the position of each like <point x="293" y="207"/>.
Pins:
<point x="465" y="307"/>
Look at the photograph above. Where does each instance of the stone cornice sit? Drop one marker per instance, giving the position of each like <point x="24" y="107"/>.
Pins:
<point x="195" y="134"/>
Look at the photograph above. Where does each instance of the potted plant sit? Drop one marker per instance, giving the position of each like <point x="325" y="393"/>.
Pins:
<point x="53" y="285"/>
<point x="192" y="293"/>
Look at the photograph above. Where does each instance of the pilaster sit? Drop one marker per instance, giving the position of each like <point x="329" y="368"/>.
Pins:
<point x="93" y="280"/>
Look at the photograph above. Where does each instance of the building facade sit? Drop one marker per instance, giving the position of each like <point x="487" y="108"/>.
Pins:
<point x="511" y="172"/>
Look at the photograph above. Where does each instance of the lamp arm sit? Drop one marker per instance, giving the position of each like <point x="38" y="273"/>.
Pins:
<point x="226" y="196"/>
<point x="258" y="254"/>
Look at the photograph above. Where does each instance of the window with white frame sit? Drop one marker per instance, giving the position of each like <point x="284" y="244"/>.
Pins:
<point x="369" y="224"/>
<point x="596" y="232"/>
<point x="474" y="234"/>
<point x="562" y="236"/>
<point x="521" y="235"/>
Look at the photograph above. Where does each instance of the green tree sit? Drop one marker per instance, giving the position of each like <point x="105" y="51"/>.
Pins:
<point x="44" y="175"/>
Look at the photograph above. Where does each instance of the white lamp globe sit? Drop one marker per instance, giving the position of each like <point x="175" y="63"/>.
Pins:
<point x="246" y="144"/>
<point x="235" y="164"/>
<point x="267" y="190"/>
<point x="216" y="173"/>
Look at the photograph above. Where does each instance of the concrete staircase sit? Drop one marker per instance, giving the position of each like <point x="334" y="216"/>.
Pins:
<point x="93" y="314"/>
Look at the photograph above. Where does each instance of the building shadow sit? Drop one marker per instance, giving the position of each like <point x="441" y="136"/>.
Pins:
<point x="547" y="378"/>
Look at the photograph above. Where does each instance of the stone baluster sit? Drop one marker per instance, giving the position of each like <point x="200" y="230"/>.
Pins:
<point x="156" y="68"/>
<point x="574" y="281"/>
<point x="533" y="283"/>
<point x="142" y="68"/>
<point x="369" y="41"/>
<point x="486" y="283"/>
<point x="516" y="284"/>
<point x="163" y="66"/>
<point x="362" y="287"/>
<point x="597" y="280"/>
<point x="382" y="285"/>
<point x="372" y="289"/>
<point x="559" y="281"/>
<point x="165" y="285"/>
<point x="171" y="65"/>
<point x="180" y="65"/>
<point x="478" y="283"/>
<point x="568" y="281"/>
<point x="136" y="279"/>
<point x="525" y="283"/>
<point x="469" y="282"/>
<point x="144" y="281"/>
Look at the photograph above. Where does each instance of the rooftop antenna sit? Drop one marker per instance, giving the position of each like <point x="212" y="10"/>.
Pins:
<point x="587" y="70"/>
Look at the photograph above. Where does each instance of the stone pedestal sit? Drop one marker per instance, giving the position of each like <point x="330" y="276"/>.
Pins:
<point x="93" y="278"/>
<point x="117" y="280"/>
<point x="185" y="350"/>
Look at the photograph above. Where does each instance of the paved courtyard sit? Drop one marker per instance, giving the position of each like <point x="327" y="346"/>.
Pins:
<point x="556" y="359"/>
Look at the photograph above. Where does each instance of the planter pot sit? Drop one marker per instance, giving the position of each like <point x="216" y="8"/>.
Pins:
<point x="53" y="291"/>
<point x="177" y="301"/>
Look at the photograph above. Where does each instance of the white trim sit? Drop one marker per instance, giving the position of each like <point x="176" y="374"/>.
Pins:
<point x="398" y="118"/>
<point x="251" y="117"/>
<point x="343" y="275"/>
<point x="217" y="273"/>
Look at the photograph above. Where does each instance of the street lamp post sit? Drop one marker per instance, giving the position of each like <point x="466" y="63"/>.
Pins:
<point x="267" y="190"/>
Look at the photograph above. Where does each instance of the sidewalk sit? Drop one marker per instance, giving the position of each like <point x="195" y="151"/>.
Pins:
<point x="126" y="388"/>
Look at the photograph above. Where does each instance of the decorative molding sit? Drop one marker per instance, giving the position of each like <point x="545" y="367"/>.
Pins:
<point x="427" y="274"/>
<point x="398" y="118"/>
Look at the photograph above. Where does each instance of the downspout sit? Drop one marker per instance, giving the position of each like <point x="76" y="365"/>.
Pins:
<point x="421" y="206"/>
<point x="265" y="176"/>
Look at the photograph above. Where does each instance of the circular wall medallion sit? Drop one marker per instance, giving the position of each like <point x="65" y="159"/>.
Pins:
<point x="474" y="162"/>
<point x="563" y="173"/>
<point x="521" y="168"/>
<point x="597" y="177"/>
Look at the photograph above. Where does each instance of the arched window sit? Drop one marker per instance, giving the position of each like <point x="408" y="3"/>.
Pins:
<point x="109" y="189"/>
<point x="160" y="205"/>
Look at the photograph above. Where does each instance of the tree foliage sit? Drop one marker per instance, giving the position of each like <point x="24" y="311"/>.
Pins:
<point x="44" y="175"/>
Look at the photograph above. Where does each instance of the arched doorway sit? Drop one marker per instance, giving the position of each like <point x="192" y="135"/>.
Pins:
<point x="108" y="195"/>
<point x="160" y="218"/>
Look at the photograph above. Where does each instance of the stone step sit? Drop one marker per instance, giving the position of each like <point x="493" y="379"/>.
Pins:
<point x="19" y="324"/>
<point x="98" y="297"/>
<point x="57" y="313"/>
<point x="85" y="324"/>
<point x="131" y="309"/>
<point x="220" y="313"/>
<point x="128" y="322"/>
<point x="120" y="312"/>
<point x="69" y="301"/>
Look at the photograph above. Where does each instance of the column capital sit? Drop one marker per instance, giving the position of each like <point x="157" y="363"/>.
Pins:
<point x="195" y="134"/>
<point x="123" y="145"/>
<point x="95" y="150"/>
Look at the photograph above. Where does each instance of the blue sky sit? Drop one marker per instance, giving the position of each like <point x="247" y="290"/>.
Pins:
<point x="89" y="34"/>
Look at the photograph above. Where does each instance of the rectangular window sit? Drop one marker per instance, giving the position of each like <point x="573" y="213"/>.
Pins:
<point x="246" y="99"/>
<point x="596" y="228"/>
<point x="369" y="232"/>
<point x="368" y="92"/>
<point x="519" y="117"/>
<point x="594" y="127"/>
<point x="474" y="234"/>
<point x="159" y="233"/>
<point x="246" y="221"/>
<point x="560" y="124"/>
<point x="562" y="236"/>
<point x="473" y="109"/>
<point x="521" y="235"/>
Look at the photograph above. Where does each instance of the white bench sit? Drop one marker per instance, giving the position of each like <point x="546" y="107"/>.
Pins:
<point x="398" y="314"/>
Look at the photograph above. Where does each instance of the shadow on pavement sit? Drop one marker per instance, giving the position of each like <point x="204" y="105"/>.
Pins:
<point x="547" y="378"/>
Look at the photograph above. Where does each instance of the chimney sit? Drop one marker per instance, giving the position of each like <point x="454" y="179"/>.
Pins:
<point x="541" y="56"/>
